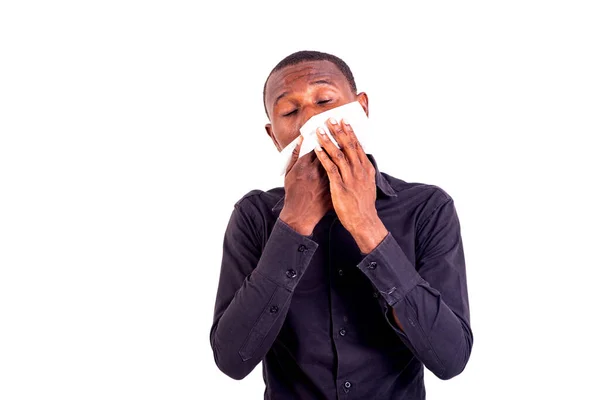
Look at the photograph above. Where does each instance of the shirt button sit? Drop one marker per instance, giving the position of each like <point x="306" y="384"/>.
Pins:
<point x="290" y="273"/>
<point x="342" y="332"/>
<point x="376" y="294"/>
<point x="341" y="272"/>
<point x="347" y="385"/>
<point x="372" y="265"/>
<point x="274" y="309"/>
<point x="302" y="248"/>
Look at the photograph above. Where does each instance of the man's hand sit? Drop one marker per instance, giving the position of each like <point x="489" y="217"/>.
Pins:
<point x="352" y="185"/>
<point x="307" y="197"/>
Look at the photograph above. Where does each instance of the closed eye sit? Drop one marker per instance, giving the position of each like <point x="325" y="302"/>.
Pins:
<point x="324" y="101"/>
<point x="290" y="113"/>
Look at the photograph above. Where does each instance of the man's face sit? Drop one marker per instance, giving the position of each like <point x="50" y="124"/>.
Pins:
<point x="297" y="92"/>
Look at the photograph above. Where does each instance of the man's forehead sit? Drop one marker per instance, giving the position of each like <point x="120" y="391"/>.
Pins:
<point x="307" y="71"/>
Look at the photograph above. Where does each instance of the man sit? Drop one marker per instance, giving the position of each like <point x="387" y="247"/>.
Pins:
<point x="347" y="281"/>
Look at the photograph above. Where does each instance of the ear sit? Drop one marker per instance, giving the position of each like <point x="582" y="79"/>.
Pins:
<point x="269" y="129"/>
<point x="363" y="99"/>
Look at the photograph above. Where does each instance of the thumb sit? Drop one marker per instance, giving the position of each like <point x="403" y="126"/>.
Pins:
<point x="295" y="153"/>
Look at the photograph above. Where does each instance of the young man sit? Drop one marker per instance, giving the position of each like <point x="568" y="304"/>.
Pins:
<point x="347" y="281"/>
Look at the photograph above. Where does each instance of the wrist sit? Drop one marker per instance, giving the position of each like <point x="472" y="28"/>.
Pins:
<point x="299" y="226"/>
<point x="369" y="235"/>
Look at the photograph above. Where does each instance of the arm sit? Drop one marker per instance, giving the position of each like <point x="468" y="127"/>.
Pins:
<point x="428" y="309"/>
<point x="254" y="291"/>
<point x="430" y="298"/>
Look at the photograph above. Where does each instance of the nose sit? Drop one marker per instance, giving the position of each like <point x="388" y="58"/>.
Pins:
<point x="309" y="111"/>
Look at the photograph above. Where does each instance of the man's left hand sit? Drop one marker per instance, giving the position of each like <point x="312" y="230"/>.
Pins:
<point x="352" y="184"/>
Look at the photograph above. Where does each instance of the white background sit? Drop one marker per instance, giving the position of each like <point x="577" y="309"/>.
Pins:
<point x="129" y="129"/>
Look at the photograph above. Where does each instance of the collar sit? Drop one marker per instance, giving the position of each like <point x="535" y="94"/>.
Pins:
<point x="380" y="181"/>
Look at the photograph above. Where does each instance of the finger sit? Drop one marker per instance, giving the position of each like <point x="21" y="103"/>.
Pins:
<point x="316" y="163"/>
<point x="345" y="141"/>
<point x="315" y="160"/>
<point x="335" y="155"/>
<point x="355" y="149"/>
<point x="330" y="167"/>
<point x="295" y="154"/>
<point x="338" y="134"/>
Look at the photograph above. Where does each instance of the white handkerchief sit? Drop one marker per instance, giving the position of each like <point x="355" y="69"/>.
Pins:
<point x="351" y="112"/>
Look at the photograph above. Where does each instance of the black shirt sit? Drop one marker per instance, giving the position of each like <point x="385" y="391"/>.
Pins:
<point x="318" y="312"/>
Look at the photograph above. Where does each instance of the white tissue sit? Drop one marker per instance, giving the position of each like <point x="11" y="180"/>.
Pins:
<point x="351" y="112"/>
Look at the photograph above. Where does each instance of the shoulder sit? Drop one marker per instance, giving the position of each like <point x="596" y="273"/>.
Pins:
<point x="255" y="207"/>
<point x="425" y="199"/>
<point x="429" y="193"/>
<point x="258" y="198"/>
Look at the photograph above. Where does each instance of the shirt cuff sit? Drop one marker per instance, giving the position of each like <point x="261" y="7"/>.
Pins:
<point x="389" y="270"/>
<point x="286" y="255"/>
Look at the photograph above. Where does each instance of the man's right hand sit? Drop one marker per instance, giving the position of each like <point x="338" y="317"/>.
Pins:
<point x="307" y="196"/>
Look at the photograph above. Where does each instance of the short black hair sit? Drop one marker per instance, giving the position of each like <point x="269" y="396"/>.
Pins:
<point x="311" y="55"/>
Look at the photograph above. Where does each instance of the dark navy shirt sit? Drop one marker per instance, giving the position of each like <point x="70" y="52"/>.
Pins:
<point x="318" y="312"/>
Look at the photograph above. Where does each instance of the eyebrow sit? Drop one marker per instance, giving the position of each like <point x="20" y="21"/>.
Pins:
<point x="317" y="82"/>
<point x="323" y="82"/>
<point x="280" y="97"/>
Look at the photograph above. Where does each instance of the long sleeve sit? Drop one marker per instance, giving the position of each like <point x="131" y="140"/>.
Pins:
<point x="255" y="290"/>
<point x="430" y="299"/>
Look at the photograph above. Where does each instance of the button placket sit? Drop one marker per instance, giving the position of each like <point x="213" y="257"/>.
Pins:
<point x="347" y="386"/>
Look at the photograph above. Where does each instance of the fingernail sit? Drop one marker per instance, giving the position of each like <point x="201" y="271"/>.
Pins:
<point x="332" y="121"/>
<point x="318" y="148"/>
<point x="321" y="131"/>
<point x="345" y="121"/>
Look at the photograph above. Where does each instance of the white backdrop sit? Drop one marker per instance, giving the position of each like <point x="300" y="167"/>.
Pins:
<point x="129" y="129"/>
